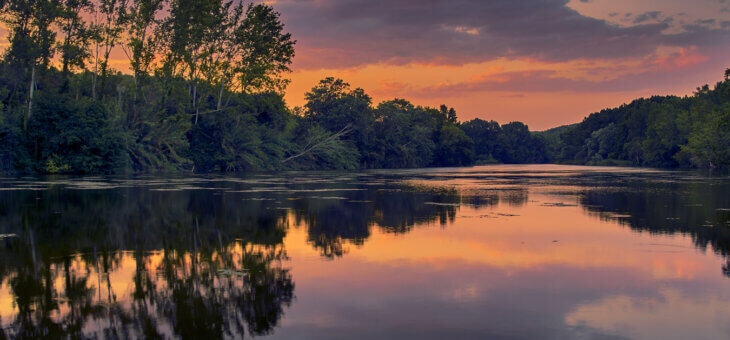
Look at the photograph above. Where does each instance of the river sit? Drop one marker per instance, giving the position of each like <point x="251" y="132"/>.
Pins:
<point x="533" y="251"/>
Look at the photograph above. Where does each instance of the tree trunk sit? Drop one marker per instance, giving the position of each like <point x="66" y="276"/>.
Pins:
<point x="103" y="79"/>
<point x="32" y="251"/>
<point x="93" y="86"/>
<point x="65" y="59"/>
<point x="136" y="86"/>
<point x="220" y="95"/>
<point x="30" y="94"/>
<point x="195" y="106"/>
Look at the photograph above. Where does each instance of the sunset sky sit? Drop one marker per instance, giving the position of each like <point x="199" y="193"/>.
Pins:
<point x="543" y="62"/>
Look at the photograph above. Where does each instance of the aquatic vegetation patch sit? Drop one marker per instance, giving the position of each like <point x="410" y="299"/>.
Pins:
<point x="559" y="204"/>
<point x="443" y="204"/>
<point x="232" y="273"/>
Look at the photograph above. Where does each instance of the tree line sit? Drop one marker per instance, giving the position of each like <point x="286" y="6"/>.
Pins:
<point x="204" y="92"/>
<point x="201" y="74"/>
<point x="661" y="132"/>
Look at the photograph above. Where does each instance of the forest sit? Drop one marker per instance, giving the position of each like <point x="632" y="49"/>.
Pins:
<point x="202" y="91"/>
<point x="659" y="132"/>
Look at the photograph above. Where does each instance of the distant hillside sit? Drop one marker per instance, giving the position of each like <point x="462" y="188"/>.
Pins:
<point x="661" y="131"/>
<point x="556" y="130"/>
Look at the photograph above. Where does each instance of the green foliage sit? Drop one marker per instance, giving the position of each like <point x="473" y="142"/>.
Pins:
<point x="511" y="143"/>
<point x="334" y="106"/>
<point x="663" y="132"/>
<point x="324" y="152"/>
<point x="31" y="34"/>
<point x="87" y="118"/>
<point x="395" y="134"/>
<point x="709" y="143"/>
<point x="254" y="135"/>
<point x="455" y="148"/>
<point x="403" y="136"/>
<point x="517" y="145"/>
<point x="205" y="93"/>
<point x="485" y="136"/>
<point x="66" y="135"/>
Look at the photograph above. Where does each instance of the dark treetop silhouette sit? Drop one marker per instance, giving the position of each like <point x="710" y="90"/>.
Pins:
<point x="205" y="94"/>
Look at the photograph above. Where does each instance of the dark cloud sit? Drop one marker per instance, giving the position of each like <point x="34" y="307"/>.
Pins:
<point x="552" y="81"/>
<point x="339" y="33"/>
<point x="648" y="16"/>
<point x="706" y="22"/>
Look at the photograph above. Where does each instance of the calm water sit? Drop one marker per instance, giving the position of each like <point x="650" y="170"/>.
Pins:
<point x="487" y="252"/>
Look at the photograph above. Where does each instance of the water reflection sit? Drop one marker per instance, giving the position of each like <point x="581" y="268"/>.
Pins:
<point x="204" y="291"/>
<point x="209" y="257"/>
<point x="662" y="207"/>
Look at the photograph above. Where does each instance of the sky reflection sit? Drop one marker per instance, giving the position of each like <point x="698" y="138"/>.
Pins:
<point x="500" y="252"/>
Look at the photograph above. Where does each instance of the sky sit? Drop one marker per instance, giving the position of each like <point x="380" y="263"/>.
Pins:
<point x="543" y="62"/>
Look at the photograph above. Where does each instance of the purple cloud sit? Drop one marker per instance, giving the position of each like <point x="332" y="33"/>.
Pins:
<point x="346" y="33"/>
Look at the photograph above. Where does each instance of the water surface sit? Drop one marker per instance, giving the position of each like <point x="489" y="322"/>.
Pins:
<point x="550" y="252"/>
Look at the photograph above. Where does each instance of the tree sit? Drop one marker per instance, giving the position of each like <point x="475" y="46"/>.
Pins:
<point x="603" y="144"/>
<point x="71" y="136"/>
<point x="109" y="19"/>
<point x="265" y="50"/>
<point x="257" y="135"/>
<point x="709" y="143"/>
<point x="236" y="47"/>
<point x="485" y="135"/>
<point x="142" y="44"/>
<point x="76" y="35"/>
<point x="334" y="106"/>
<point x="403" y="135"/>
<point x="455" y="148"/>
<point x="515" y="143"/>
<point x="192" y="35"/>
<point x="449" y="113"/>
<point x="31" y="38"/>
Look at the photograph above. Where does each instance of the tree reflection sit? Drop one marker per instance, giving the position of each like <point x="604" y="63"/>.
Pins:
<point x="215" y="292"/>
<point x="198" y="283"/>
<point x="334" y="223"/>
<point x="134" y="262"/>
<point x="693" y="208"/>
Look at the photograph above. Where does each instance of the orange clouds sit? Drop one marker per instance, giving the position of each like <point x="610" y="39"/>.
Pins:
<point x="543" y="94"/>
<point x="683" y="58"/>
<point x="546" y="63"/>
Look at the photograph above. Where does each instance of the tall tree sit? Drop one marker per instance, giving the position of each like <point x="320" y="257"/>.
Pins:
<point x="266" y="50"/>
<point x="239" y="48"/>
<point x="334" y="106"/>
<point x="142" y="41"/>
<point x="31" y="38"/>
<point x="76" y="35"/>
<point x="485" y="135"/>
<point x="191" y="36"/>
<point x="109" y="18"/>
